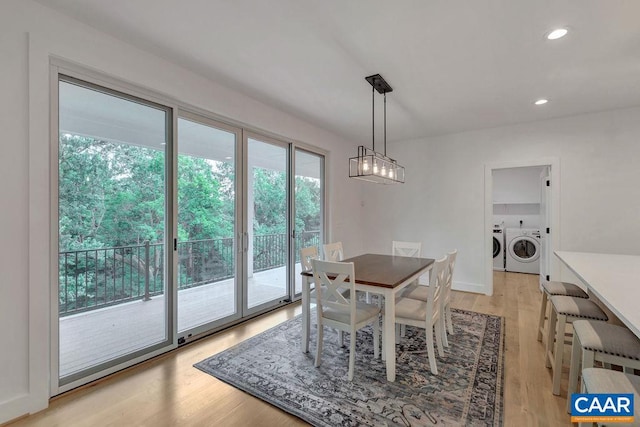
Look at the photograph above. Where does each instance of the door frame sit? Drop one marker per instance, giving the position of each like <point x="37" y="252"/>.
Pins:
<point x="554" y="172"/>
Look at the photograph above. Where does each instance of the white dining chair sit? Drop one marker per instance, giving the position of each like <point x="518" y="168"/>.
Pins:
<point x="333" y="252"/>
<point x="410" y="249"/>
<point x="306" y="255"/>
<point x="446" y="298"/>
<point x="426" y="314"/>
<point x="345" y="314"/>
<point x="422" y="293"/>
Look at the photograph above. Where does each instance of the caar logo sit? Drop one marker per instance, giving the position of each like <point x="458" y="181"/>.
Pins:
<point x="602" y="408"/>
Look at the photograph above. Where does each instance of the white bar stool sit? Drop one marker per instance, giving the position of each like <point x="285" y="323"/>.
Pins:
<point x="602" y="342"/>
<point x="605" y="381"/>
<point x="565" y="310"/>
<point x="556" y="288"/>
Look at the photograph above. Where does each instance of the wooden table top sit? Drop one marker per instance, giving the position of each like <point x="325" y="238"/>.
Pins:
<point x="385" y="271"/>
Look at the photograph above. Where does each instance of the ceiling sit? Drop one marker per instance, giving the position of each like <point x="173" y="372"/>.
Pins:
<point x="454" y="66"/>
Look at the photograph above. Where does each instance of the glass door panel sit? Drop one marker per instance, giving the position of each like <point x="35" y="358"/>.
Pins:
<point x="308" y="202"/>
<point x="113" y="302"/>
<point x="207" y="281"/>
<point x="267" y="213"/>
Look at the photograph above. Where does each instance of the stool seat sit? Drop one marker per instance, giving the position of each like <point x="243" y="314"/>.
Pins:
<point x="556" y="288"/>
<point x="596" y="341"/>
<point x="607" y="338"/>
<point x="564" y="288"/>
<point x="605" y="381"/>
<point x="565" y="309"/>
<point x="577" y="307"/>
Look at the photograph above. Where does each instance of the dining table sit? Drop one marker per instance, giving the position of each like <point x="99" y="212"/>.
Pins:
<point x="384" y="275"/>
<point x="613" y="279"/>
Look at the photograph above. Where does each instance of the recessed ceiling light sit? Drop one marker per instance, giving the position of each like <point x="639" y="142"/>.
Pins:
<point x="557" y="33"/>
<point x="541" y="101"/>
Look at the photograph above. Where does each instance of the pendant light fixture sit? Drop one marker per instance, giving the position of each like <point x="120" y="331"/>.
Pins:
<point x="370" y="165"/>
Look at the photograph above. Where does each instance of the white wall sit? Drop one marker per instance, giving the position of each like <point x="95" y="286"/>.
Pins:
<point x="30" y="34"/>
<point x="516" y="197"/>
<point x="442" y="201"/>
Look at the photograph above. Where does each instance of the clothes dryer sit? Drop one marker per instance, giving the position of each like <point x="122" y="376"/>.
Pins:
<point x="498" y="248"/>
<point x="523" y="250"/>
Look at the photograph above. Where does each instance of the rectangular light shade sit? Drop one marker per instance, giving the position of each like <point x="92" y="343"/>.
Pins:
<point x="375" y="167"/>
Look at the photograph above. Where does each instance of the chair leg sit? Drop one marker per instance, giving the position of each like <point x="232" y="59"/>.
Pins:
<point x="403" y="331"/>
<point x="397" y="334"/>
<point x="438" y="331"/>
<point x="319" y="345"/>
<point x="543" y="315"/>
<point x="341" y="338"/>
<point x="376" y="338"/>
<point x="383" y="353"/>
<point x="352" y="353"/>
<point x="443" y="331"/>
<point x="447" y="312"/>
<point x="431" y="351"/>
<point x="558" y="352"/>
<point x="574" y="369"/>
<point x="550" y="337"/>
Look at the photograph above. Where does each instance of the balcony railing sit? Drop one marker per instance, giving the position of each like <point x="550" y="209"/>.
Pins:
<point x="95" y="278"/>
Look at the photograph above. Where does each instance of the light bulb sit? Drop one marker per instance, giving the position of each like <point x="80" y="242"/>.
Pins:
<point x="365" y="165"/>
<point x="390" y="173"/>
<point x="556" y="34"/>
<point x="375" y="167"/>
<point x="383" y="172"/>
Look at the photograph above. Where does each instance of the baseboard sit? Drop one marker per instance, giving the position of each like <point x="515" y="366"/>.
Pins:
<point x="14" y="408"/>
<point x="469" y="287"/>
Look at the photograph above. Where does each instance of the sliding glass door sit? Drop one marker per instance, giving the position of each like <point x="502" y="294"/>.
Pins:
<point x="308" y="206"/>
<point x="208" y="283"/>
<point x="113" y="299"/>
<point x="166" y="227"/>
<point x="267" y="225"/>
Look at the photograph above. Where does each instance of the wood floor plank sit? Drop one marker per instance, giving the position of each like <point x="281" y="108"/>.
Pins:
<point x="169" y="391"/>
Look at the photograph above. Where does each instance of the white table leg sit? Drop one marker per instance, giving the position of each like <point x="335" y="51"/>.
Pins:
<point x="306" y="285"/>
<point x="390" y="334"/>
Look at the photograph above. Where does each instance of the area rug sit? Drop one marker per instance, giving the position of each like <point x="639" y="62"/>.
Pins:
<point x="468" y="390"/>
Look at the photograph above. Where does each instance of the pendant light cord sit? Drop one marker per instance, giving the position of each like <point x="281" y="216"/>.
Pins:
<point x="373" y="117"/>
<point x="385" y="124"/>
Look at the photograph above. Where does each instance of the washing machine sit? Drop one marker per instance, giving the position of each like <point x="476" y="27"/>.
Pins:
<point x="523" y="250"/>
<point x="498" y="248"/>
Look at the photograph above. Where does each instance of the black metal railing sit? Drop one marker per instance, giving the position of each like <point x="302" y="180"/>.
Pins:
<point x="95" y="278"/>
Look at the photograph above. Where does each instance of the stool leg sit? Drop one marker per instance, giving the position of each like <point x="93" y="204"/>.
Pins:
<point x="550" y="336"/>
<point x="574" y="369"/>
<point x="583" y="390"/>
<point x="558" y="353"/>
<point x="543" y="314"/>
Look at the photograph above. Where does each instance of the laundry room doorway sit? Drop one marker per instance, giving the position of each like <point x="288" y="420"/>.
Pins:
<point x="522" y="213"/>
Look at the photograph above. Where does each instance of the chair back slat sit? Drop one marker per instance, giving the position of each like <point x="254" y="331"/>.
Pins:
<point x="306" y="255"/>
<point x="409" y="249"/>
<point x="333" y="252"/>
<point x="451" y="263"/>
<point x="332" y="278"/>
<point x="436" y="286"/>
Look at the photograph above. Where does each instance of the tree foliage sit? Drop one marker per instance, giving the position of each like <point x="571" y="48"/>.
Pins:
<point x="112" y="195"/>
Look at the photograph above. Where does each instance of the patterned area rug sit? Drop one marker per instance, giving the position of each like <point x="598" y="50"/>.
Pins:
<point x="467" y="390"/>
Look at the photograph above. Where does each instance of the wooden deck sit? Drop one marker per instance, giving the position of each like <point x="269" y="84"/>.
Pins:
<point x="93" y="337"/>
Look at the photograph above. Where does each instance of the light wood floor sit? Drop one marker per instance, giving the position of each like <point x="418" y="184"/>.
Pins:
<point x="169" y="391"/>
